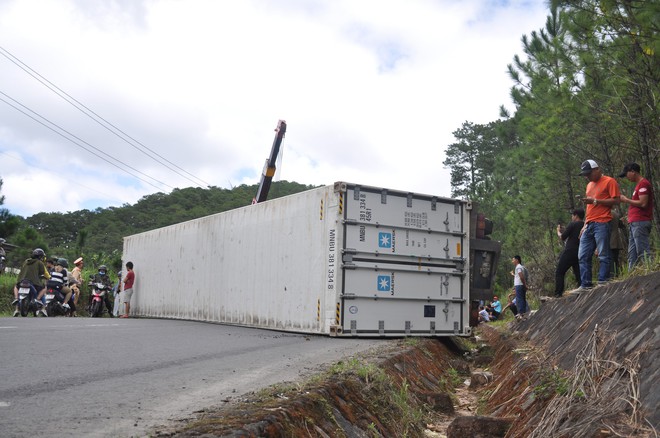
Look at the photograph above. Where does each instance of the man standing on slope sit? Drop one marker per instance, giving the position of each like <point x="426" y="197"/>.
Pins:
<point x="602" y="193"/>
<point x="520" y="286"/>
<point x="640" y="214"/>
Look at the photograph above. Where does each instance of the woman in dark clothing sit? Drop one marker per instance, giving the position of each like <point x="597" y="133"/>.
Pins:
<point x="569" y="256"/>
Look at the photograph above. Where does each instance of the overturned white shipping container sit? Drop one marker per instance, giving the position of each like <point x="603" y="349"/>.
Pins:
<point x="342" y="260"/>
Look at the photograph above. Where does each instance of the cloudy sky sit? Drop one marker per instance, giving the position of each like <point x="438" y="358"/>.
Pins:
<point x="103" y="102"/>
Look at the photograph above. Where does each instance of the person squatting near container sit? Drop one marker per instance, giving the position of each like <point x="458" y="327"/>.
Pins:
<point x="520" y="286"/>
<point x="127" y="294"/>
<point x="640" y="214"/>
<point x="494" y="309"/>
<point x="33" y="270"/>
<point x="569" y="256"/>
<point x="483" y="314"/>
<point x="602" y="194"/>
<point x="511" y="304"/>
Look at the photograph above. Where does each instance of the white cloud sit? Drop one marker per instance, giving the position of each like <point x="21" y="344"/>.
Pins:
<point x="371" y="91"/>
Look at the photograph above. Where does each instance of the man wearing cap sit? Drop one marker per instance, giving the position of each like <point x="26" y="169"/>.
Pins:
<point x="76" y="276"/>
<point x="640" y="214"/>
<point x="602" y="193"/>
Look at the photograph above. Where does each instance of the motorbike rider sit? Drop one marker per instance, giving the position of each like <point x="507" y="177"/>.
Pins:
<point x="3" y="254"/>
<point x="50" y="267"/>
<point x="103" y="278"/>
<point x="59" y="278"/>
<point x="33" y="270"/>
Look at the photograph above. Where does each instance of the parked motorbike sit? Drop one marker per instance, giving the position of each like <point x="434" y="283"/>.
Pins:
<point x="25" y="304"/>
<point x="98" y="291"/>
<point x="55" y="303"/>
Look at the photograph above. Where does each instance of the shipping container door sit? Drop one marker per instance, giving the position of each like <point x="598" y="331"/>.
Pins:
<point x="404" y="264"/>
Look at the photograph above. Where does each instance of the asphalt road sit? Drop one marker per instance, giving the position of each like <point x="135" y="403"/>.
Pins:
<point x="121" y="377"/>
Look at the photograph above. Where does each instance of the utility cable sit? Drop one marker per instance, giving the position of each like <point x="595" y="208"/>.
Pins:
<point x="99" y="119"/>
<point x="82" y="141"/>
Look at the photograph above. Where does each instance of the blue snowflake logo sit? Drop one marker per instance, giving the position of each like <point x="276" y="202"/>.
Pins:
<point x="384" y="282"/>
<point x="385" y="240"/>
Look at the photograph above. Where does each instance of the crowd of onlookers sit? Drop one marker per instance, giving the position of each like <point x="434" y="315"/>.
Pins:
<point x="595" y="230"/>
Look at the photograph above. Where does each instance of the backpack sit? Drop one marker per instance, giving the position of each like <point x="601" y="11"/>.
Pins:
<point x="525" y="274"/>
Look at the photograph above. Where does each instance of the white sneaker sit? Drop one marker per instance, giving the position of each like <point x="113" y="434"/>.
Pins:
<point x="43" y="312"/>
<point x="66" y="306"/>
<point x="16" y="312"/>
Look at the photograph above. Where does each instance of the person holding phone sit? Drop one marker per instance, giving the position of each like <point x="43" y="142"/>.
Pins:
<point x="568" y="259"/>
<point x="602" y="194"/>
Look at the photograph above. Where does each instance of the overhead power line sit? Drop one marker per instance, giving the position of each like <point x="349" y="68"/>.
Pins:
<point x="69" y="136"/>
<point x="102" y="121"/>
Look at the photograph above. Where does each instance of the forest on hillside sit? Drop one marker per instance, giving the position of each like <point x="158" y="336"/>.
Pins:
<point x="586" y="86"/>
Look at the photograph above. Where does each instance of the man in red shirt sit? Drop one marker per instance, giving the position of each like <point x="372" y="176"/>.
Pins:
<point x="601" y="195"/>
<point x="640" y="214"/>
<point x="127" y="293"/>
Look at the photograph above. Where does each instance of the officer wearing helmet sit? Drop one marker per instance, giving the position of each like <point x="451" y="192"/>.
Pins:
<point x="33" y="270"/>
<point x="102" y="277"/>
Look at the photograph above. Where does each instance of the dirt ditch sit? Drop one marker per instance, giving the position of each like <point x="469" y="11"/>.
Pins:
<point x="582" y="366"/>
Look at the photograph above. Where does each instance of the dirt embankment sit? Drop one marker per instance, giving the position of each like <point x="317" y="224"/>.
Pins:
<point x="582" y="365"/>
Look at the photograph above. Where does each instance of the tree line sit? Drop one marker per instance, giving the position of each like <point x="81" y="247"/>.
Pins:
<point x="586" y="87"/>
<point x="98" y="234"/>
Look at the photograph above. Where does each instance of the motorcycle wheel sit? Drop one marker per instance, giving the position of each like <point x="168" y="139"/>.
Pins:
<point x="96" y="309"/>
<point x="24" y="306"/>
<point x="50" y="309"/>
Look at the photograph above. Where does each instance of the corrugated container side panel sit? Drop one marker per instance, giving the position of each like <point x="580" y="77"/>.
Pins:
<point x="262" y="265"/>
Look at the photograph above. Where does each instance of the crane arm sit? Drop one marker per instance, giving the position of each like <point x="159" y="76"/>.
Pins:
<point x="269" y="167"/>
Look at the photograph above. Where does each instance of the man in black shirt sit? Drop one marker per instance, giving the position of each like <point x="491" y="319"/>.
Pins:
<point x="569" y="256"/>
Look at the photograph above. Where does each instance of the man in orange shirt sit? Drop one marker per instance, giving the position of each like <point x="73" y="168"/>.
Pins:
<point x="601" y="195"/>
